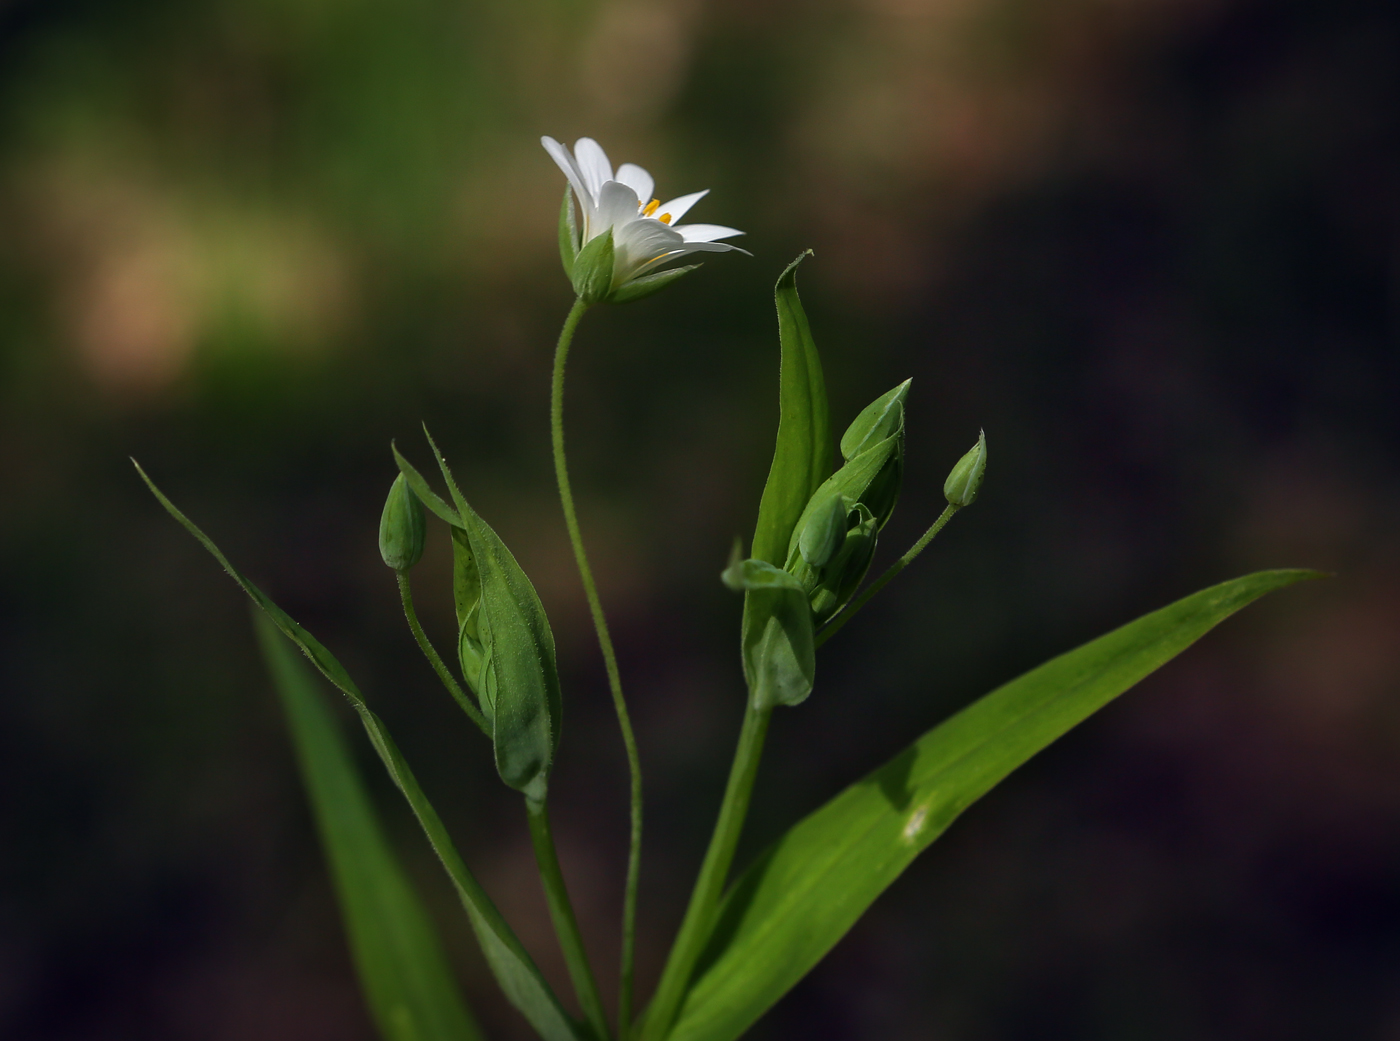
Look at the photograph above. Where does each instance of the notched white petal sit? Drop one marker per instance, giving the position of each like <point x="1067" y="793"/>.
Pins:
<point x="706" y="232"/>
<point x="638" y="180"/>
<point x="681" y="205"/>
<point x="593" y="164"/>
<point x="565" y="162"/>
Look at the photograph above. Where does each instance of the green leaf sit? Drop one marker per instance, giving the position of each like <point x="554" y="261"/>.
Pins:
<point x="519" y="679"/>
<point x="568" y="233"/>
<point x="516" y="973"/>
<point x="423" y="490"/>
<point x="802" y="455"/>
<point x="807" y="890"/>
<point x="639" y="288"/>
<point x="408" y="984"/>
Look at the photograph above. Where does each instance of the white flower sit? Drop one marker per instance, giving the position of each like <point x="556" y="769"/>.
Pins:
<point x="645" y="230"/>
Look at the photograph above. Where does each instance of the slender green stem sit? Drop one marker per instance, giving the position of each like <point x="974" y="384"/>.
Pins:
<point x="700" y="916"/>
<point x="430" y="652"/>
<point x="848" y="612"/>
<point x="565" y="924"/>
<point x="600" y="623"/>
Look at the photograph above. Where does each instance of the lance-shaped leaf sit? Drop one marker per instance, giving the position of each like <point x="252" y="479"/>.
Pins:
<point x="514" y="970"/>
<point x="407" y="981"/>
<point x="802" y="895"/>
<point x="802" y="454"/>
<point x="519" y="680"/>
<point x="780" y="661"/>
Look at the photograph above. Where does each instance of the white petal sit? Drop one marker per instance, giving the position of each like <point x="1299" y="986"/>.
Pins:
<point x="565" y="162"/>
<point x="593" y="164"/>
<point x="679" y="207"/>
<point x="617" y="206"/>
<point x="710" y="247"/>
<point x="638" y="180"/>
<point x="639" y="243"/>
<point x="706" y="232"/>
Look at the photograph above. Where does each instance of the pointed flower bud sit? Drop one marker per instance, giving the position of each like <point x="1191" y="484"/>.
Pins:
<point x="402" y="527"/>
<point x="963" y="483"/>
<point x="878" y="420"/>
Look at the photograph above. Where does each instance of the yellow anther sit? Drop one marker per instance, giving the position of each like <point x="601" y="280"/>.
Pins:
<point x="665" y="218"/>
<point x="651" y="208"/>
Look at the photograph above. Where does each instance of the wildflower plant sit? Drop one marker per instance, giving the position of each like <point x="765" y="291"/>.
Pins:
<point x="745" y="938"/>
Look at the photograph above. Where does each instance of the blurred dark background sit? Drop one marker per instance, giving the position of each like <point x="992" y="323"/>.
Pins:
<point x="1149" y="245"/>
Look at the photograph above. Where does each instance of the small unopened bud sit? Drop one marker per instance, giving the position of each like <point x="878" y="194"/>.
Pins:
<point x="402" y="527"/>
<point x="824" y="532"/>
<point x="963" y="483"/>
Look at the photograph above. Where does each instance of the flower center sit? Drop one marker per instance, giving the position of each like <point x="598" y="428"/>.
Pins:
<point x="650" y="208"/>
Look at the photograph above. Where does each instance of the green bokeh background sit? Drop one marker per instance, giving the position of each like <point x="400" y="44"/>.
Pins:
<point x="1149" y="245"/>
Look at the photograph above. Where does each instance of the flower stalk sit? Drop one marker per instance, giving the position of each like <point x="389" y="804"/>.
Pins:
<point x="600" y="624"/>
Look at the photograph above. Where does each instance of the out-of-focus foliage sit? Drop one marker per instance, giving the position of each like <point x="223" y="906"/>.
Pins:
<point x="1149" y="246"/>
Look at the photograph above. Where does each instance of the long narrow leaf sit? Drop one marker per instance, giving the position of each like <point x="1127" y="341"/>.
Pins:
<point x="407" y="982"/>
<point x="807" y="890"/>
<point x="802" y="455"/>
<point x="514" y="970"/>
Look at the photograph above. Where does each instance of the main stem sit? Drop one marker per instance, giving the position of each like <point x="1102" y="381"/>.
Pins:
<point x="700" y="916"/>
<point x="565" y="924"/>
<point x="899" y="565"/>
<point x="600" y="623"/>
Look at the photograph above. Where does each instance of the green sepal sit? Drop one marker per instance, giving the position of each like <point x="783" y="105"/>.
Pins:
<point x="592" y="273"/>
<point x="568" y="233"/>
<point x="466" y="598"/>
<point x="878" y="420"/>
<point x="780" y="659"/>
<point x="510" y="963"/>
<point x="639" y="288"/>
<point x="965" y="479"/>
<point x="519" y="678"/>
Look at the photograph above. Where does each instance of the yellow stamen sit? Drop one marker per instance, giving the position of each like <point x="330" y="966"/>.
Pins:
<point x="651" y="207"/>
<point x="665" y="218"/>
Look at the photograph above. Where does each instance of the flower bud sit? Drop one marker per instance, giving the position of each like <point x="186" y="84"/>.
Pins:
<point x="846" y="570"/>
<point x="966" y="478"/>
<point x="878" y="420"/>
<point x="402" y="527"/>
<point x="823" y="533"/>
<point x="593" y="269"/>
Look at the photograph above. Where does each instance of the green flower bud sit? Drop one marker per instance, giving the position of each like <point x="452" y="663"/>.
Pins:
<point x="402" y="527"/>
<point x="823" y="533"/>
<point x="966" y="478"/>
<point x="593" y="269"/>
<point x="843" y="574"/>
<point x="878" y="420"/>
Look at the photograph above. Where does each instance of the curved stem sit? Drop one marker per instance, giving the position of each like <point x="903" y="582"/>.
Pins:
<point x="430" y="652"/>
<point x="848" y="612"/>
<point x="700" y="916"/>
<point x="565" y="924"/>
<point x="600" y="623"/>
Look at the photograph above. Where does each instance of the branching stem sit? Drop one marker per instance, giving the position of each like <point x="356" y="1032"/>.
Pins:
<point x="848" y="612"/>
<point x="430" y="652"/>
